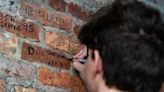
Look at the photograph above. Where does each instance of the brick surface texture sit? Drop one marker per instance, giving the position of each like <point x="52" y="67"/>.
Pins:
<point x="47" y="77"/>
<point x="36" y="39"/>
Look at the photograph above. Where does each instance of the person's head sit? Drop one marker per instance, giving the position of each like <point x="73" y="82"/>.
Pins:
<point x="128" y="39"/>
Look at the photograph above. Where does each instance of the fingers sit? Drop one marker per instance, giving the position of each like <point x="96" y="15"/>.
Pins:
<point x="81" y="54"/>
<point x="78" y="66"/>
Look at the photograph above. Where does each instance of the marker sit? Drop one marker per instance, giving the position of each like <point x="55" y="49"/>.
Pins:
<point x="81" y="60"/>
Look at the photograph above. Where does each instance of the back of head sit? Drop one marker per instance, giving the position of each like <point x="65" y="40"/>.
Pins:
<point x="130" y="38"/>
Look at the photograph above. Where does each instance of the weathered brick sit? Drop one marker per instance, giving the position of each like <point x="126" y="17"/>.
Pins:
<point x="23" y="89"/>
<point x="19" y="27"/>
<point x="77" y="11"/>
<point x="8" y="43"/>
<point x="28" y="30"/>
<point x="45" y="16"/>
<point x="35" y="12"/>
<point x="77" y="29"/>
<point x="57" y="40"/>
<point x="75" y="46"/>
<point x="37" y="54"/>
<point x="61" y="21"/>
<point x="2" y="85"/>
<point x="59" y="5"/>
<point x="63" y="42"/>
<point x="60" y="80"/>
<point x="13" y="68"/>
<point x="28" y="9"/>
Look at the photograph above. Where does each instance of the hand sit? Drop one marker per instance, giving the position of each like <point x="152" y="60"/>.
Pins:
<point x="81" y="54"/>
<point x="90" y="71"/>
<point x="77" y="65"/>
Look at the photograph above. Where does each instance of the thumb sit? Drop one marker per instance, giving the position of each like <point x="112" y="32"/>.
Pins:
<point x="78" y="66"/>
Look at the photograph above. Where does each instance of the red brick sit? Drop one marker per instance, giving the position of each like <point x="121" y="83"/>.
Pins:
<point x="62" y="21"/>
<point x="57" y="40"/>
<point x="2" y="85"/>
<point x="34" y="12"/>
<point x="8" y="43"/>
<point x="37" y="54"/>
<point x="23" y="89"/>
<point x="59" y="5"/>
<point x="46" y="17"/>
<point x="75" y="46"/>
<point x="77" y="29"/>
<point x="28" y="10"/>
<point x="28" y="30"/>
<point x="60" y="80"/>
<point x="43" y="15"/>
<point x="77" y="11"/>
<point x="37" y="13"/>
<point x="63" y="42"/>
<point x="19" y="27"/>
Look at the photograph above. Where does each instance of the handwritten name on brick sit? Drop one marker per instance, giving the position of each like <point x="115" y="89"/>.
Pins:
<point x="19" y="27"/>
<point x="37" y="54"/>
<point x="46" y="17"/>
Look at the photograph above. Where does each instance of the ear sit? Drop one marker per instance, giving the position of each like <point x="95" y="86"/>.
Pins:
<point x="97" y="63"/>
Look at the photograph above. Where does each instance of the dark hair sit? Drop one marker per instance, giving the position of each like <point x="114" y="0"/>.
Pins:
<point x="130" y="38"/>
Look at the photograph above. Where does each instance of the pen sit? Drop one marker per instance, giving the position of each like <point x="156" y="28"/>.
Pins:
<point x="81" y="60"/>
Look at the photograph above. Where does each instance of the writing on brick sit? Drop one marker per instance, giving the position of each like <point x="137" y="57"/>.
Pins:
<point x="28" y="9"/>
<point x="7" y="21"/>
<point x="38" y="54"/>
<point x="18" y="27"/>
<point x="46" y="17"/>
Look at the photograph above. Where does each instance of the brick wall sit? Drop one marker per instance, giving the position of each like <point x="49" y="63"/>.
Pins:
<point x="36" y="38"/>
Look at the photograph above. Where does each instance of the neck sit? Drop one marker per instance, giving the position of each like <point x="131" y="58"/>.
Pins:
<point x="102" y="87"/>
